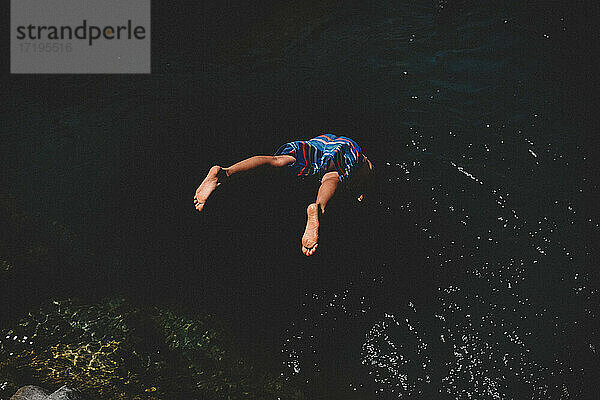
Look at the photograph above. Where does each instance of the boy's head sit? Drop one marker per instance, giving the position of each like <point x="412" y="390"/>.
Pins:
<point x="362" y="181"/>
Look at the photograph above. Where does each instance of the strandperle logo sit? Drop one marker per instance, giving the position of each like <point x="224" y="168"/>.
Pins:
<point x="81" y="32"/>
<point x="80" y="36"/>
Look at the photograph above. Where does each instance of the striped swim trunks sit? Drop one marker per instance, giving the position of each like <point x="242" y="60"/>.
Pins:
<point x="323" y="153"/>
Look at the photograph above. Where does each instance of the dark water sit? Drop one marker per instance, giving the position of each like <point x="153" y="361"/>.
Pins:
<point x="470" y="274"/>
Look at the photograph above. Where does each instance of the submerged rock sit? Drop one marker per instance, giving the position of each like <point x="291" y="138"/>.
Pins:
<point x="30" y="393"/>
<point x="116" y="350"/>
<point x="66" y="393"/>
<point x="37" y="393"/>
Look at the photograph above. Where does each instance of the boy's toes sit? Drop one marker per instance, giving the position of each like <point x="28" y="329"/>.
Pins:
<point x="309" y="251"/>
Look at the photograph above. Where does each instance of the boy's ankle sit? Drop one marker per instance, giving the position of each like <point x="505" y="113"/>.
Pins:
<point x="222" y="175"/>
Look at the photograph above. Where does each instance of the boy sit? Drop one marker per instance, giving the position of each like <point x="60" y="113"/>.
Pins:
<point x="334" y="159"/>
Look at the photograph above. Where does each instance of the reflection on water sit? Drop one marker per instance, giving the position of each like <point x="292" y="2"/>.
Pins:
<point x="472" y="275"/>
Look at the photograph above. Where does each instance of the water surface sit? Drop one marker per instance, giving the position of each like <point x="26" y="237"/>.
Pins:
<point x="470" y="274"/>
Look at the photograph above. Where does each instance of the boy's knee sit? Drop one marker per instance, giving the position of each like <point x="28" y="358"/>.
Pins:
<point x="332" y="176"/>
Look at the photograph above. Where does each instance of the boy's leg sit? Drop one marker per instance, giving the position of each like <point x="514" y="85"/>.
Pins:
<point x="310" y="239"/>
<point x="218" y="175"/>
<point x="259" y="162"/>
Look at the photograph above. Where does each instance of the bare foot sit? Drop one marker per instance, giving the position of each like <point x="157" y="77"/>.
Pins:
<point x="311" y="233"/>
<point x="209" y="184"/>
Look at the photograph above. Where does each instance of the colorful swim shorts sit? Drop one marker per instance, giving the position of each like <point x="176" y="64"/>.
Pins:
<point x="322" y="154"/>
